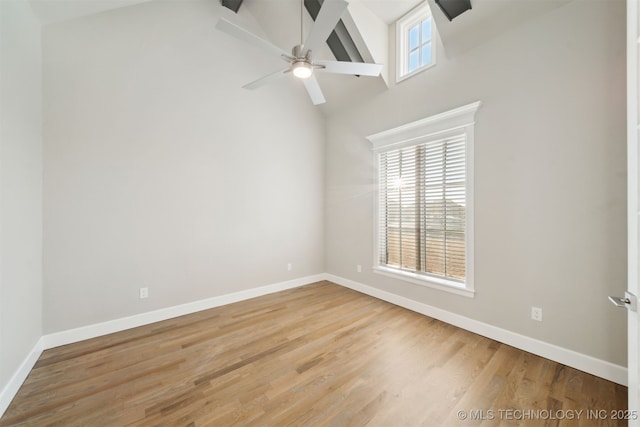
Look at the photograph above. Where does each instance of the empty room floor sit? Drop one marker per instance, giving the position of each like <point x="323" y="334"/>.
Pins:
<point x="320" y="354"/>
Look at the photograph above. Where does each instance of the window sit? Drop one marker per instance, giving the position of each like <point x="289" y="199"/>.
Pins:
<point x="415" y="48"/>
<point x="424" y="212"/>
<point x="422" y="208"/>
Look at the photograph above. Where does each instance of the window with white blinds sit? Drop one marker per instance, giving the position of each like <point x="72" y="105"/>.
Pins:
<point x="424" y="208"/>
<point x="422" y="204"/>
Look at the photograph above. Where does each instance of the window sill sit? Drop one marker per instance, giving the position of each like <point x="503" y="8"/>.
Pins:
<point x="415" y="72"/>
<point x="430" y="282"/>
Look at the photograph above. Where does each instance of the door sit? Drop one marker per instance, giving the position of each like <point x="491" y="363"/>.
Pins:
<point x="633" y="205"/>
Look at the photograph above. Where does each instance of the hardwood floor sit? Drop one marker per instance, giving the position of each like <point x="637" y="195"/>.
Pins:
<point x="316" y="355"/>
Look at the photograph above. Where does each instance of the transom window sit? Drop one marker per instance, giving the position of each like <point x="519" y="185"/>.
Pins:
<point x="424" y="213"/>
<point x="415" y="42"/>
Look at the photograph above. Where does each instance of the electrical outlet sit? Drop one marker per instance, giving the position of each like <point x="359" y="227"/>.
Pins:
<point x="289" y="267"/>
<point x="144" y="293"/>
<point x="359" y="268"/>
<point x="536" y="313"/>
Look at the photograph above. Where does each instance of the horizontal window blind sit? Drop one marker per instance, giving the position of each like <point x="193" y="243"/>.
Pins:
<point x="422" y="206"/>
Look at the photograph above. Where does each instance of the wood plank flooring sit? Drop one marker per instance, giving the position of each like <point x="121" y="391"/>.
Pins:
<point x="319" y="355"/>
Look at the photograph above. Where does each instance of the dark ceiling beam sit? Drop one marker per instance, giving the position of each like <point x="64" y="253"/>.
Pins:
<point x="453" y="8"/>
<point x="339" y="41"/>
<point x="232" y="4"/>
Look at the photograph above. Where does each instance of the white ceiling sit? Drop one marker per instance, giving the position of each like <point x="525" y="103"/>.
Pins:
<point x="52" y="11"/>
<point x="390" y="10"/>
<point x="488" y="19"/>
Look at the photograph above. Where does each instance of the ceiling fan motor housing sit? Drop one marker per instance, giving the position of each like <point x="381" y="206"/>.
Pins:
<point x="299" y="53"/>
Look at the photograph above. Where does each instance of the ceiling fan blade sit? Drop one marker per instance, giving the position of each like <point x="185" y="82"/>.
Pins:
<point x="314" y="91"/>
<point x="248" y="37"/>
<point x="345" y="67"/>
<point x="266" y="79"/>
<point x="328" y="17"/>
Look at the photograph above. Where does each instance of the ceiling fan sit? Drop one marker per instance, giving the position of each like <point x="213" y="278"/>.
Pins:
<point x="301" y="61"/>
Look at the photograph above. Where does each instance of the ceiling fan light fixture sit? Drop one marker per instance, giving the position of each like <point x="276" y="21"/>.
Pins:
<point x="302" y="69"/>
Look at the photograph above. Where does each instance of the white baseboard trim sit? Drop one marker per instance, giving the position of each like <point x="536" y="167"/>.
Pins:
<point x="600" y="368"/>
<point x="11" y="388"/>
<point x="92" y="331"/>
<point x="116" y="325"/>
<point x="582" y="362"/>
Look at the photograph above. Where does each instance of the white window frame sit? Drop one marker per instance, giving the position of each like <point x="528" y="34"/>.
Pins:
<point x="453" y="122"/>
<point x="403" y="25"/>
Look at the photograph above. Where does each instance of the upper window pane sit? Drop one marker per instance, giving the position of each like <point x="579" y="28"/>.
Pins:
<point x="426" y="30"/>
<point x="414" y="37"/>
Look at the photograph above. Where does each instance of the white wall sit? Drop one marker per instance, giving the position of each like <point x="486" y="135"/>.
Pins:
<point x="20" y="185"/>
<point x="161" y="171"/>
<point x="549" y="176"/>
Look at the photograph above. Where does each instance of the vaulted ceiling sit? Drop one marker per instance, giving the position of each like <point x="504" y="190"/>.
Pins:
<point x="368" y="23"/>
<point x="53" y="11"/>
